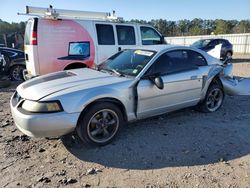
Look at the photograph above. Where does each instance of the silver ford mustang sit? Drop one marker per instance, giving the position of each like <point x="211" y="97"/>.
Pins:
<point x="132" y="84"/>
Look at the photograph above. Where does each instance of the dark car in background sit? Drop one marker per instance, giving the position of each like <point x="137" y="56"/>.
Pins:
<point x="4" y="81"/>
<point x="208" y="44"/>
<point x="15" y="62"/>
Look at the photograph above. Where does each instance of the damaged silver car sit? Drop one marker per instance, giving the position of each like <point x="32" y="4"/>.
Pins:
<point x="132" y="84"/>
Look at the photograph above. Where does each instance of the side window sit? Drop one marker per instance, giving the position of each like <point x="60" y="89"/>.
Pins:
<point x="213" y="43"/>
<point x="160" y="66"/>
<point x="149" y="36"/>
<point x="223" y="42"/>
<point x="179" y="61"/>
<point x="125" y="35"/>
<point x="105" y="34"/>
<point x="172" y="62"/>
<point x="196" y="58"/>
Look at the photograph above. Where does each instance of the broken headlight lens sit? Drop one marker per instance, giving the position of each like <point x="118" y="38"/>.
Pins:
<point x="42" y="107"/>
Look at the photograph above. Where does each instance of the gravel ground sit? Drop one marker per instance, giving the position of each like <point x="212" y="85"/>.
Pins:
<point x="180" y="149"/>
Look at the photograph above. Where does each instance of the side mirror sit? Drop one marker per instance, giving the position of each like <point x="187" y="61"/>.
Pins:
<point x="158" y="82"/>
<point x="155" y="79"/>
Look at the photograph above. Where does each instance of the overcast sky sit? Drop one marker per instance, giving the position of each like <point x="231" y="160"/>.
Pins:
<point x="138" y="9"/>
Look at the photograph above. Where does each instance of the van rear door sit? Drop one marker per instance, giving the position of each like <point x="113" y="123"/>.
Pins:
<point x="31" y="48"/>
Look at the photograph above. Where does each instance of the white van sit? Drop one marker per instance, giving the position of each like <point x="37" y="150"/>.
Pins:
<point x="59" y="39"/>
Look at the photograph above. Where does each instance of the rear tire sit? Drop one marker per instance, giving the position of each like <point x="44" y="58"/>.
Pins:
<point x="99" y="124"/>
<point x="213" y="100"/>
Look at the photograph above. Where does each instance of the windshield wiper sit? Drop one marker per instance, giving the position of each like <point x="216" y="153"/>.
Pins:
<point x="112" y="71"/>
<point x="117" y="73"/>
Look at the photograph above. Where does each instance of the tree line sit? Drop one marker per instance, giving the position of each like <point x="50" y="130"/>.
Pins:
<point x="167" y="28"/>
<point x="198" y="26"/>
<point x="11" y="33"/>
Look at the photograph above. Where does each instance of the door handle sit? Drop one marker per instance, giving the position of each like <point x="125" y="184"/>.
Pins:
<point x="119" y="49"/>
<point x="193" y="77"/>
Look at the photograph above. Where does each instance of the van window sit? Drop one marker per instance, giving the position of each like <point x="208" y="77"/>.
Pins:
<point x="105" y="34"/>
<point x="125" y="35"/>
<point x="149" y="36"/>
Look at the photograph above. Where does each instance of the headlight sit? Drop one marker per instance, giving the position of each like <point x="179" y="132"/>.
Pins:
<point x="42" y="107"/>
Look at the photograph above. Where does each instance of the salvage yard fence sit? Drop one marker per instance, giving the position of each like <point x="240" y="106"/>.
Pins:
<point x="241" y="42"/>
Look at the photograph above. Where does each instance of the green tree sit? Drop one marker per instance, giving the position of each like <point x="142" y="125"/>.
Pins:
<point x="221" y="27"/>
<point x="242" y="27"/>
<point x="10" y="29"/>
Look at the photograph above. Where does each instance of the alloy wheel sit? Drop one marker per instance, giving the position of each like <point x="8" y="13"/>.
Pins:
<point x="214" y="99"/>
<point x="103" y="126"/>
<point x="16" y="73"/>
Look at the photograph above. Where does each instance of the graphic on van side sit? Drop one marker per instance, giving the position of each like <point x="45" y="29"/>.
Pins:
<point x="77" y="51"/>
<point x="63" y="42"/>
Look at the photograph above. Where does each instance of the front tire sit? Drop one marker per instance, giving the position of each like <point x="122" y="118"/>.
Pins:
<point x="99" y="124"/>
<point x="213" y="100"/>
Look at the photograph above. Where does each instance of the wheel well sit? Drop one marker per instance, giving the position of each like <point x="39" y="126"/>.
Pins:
<point x="216" y="80"/>
<point x="75" y="66"/>
<point x="15" y="65"/>
<point x="230" y="52"/>
<point x="111" y="100"/>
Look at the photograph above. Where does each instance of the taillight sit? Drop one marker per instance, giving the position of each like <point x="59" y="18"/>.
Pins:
<point x="34" y="38"/>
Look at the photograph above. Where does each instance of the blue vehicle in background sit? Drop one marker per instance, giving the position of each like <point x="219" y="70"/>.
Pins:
<point x="208" y="44"/>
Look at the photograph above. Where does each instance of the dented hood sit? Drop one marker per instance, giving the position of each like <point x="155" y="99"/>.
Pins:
<point x="40" y="87"/>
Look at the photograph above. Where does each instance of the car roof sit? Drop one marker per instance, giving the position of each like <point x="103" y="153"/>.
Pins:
<point x="165" y="47"/>
<point x="214" y="39"/>
<point x="157" y="48"/>
<point x="10" y="49"/>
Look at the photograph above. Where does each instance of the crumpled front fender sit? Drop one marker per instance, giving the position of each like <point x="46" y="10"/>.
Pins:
<point x="213" y="72"/>
<point x="236" y="86"/>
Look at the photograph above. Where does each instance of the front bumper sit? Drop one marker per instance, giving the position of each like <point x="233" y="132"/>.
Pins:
<point x="45" y="124"/>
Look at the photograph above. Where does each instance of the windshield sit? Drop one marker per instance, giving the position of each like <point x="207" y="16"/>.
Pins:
<point x="201" y="43"/>
<point x="127" y="62"/>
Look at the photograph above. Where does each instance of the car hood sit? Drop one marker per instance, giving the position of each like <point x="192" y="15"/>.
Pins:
<point x="40" y="87"/>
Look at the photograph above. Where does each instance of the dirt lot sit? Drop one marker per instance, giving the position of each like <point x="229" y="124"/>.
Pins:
<point x="181" y="149"/>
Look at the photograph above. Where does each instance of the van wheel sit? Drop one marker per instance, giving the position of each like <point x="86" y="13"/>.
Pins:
<point x="213" y="100"/>
<point x="99" y="124"/>
<point x="16" y="73"/>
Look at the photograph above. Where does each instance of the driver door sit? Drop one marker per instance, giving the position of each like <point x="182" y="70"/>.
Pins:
<point x="182" y="85"/>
